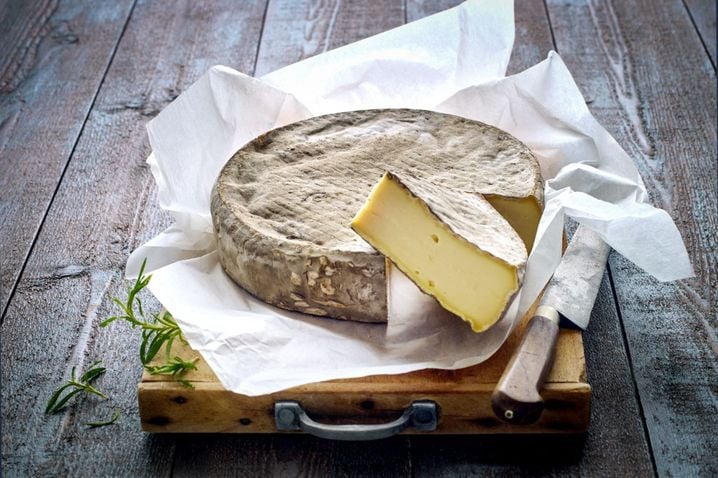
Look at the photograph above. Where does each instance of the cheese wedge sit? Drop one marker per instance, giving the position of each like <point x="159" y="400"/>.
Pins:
<point x="282" y="205"/>
<point x="454" y="245"/>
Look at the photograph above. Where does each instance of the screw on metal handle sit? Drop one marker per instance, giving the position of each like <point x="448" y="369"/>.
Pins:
<point x="423" y="415"/>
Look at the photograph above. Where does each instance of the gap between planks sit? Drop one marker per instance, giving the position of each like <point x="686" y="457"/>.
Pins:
<point x="636" y="391"/>
<point x="25" y="260"/>
<point x="704" y="41"/>
<point x="634" y="381"/>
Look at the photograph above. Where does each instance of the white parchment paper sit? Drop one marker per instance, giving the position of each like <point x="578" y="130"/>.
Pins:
<point x="452" y="62"/>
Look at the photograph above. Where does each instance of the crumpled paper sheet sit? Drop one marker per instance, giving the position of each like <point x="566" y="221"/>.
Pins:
<point x="452" y="62"/>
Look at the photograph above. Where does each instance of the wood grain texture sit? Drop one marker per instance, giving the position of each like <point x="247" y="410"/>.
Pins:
<point x="703" y="14"/>
<point x="269" y="456"/>
<point x="418" y="9"/>
<point x="533" y="36"/>
<point x="54" y="57"/>
<point x="167" y="407"/>
<point x="616" y="444"/>
<point x="104" y="208"/>
<point x="295" y="30"/>
<point x="656" y="95"/>
<point x="518" y="394"/>
<point x="23" y="26"/>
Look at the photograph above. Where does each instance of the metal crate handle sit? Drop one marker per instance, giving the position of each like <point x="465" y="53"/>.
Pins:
<point x="423" y="415"/>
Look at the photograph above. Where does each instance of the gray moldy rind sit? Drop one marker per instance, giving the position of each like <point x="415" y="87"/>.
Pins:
<point x="347" y="285"/>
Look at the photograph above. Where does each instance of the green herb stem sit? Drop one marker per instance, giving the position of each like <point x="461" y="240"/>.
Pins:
<point x="59" y="398"/>
<point x="112" y="420"/>
<point x="158" y="331"/>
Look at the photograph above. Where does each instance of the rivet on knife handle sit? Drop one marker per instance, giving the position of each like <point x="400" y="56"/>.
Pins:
<point x="516" y="398"/>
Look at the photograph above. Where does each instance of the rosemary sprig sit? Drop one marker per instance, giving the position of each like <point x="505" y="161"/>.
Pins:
<point x="175" y="368"/>
<point x="112" y="420"/>
<point x="58" y="401"/>
<point x="160" y="330"/>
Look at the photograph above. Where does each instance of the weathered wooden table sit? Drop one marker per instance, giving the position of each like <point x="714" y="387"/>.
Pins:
<point x="80" y="79"/>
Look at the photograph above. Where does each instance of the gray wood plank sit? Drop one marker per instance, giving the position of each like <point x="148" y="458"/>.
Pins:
<point x="224" y="455"/>
<point x="703" y="14"/>
<point x="54" y="57"/>
<point x="615" y="444"/>
<point x="653" y="86"/>
<point x="533" y="40"/>
<point x="418" y="9"/>
<point x="104" y="208"/>
<point x="295" y="30"/>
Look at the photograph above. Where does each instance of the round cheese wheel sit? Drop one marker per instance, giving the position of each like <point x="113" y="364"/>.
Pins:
<point x="282" y="205"/>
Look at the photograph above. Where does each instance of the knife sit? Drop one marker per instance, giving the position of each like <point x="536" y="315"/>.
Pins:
<point x="570" y="293"/>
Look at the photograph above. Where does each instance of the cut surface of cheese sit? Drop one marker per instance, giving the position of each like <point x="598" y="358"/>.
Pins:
<point x="522" y="213"/>
<point x="454" y="245"/>
<point x="282" y="205"/>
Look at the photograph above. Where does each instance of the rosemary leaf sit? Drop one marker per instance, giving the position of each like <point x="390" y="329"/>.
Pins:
<point x="184" y="382"/>
<point x="93" y="372"/>
<point x="174" y="367"/>
<point x="53" y="405"/>
<point x="112" y="420"/>
<point x="58" y="401"/>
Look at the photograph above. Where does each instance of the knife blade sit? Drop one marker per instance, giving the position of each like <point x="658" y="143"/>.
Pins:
<point x="570" y="293"/>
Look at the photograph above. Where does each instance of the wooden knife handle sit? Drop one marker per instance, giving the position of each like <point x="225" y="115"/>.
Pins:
<point x="516" y="397"/>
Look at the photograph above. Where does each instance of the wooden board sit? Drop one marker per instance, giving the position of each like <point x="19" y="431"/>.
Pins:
<point x="463" y="396"/>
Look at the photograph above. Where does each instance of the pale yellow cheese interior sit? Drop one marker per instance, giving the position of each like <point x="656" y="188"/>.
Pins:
<point x="522" y="213"/>
<point x="466" y="281"/>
